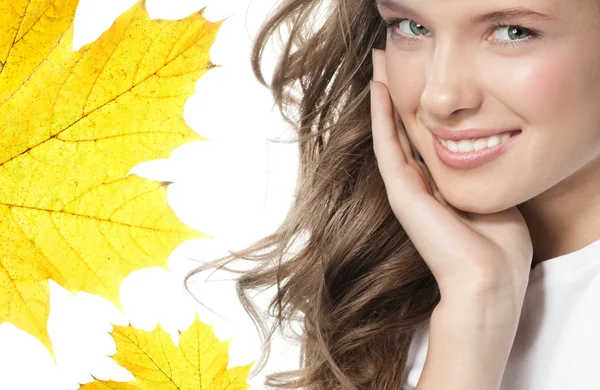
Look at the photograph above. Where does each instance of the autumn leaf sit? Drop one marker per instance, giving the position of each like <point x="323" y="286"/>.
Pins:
<point x="200" y="363"/>
<point x="73" y="125"/>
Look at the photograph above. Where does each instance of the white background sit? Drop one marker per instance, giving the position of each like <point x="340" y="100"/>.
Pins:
<point x="236" y="187"/>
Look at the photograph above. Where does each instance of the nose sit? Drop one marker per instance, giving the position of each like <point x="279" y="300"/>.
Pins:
<point x="450" y="82"/>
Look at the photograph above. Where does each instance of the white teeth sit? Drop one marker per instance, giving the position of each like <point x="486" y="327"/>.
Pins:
<point x="465" y="145"/>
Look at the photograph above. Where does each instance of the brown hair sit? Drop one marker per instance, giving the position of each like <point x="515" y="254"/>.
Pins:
<point x="357" y="286"/>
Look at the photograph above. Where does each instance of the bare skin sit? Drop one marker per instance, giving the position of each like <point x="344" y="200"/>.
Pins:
<point x="452" y="72"/>
<point x="480" y="261"/>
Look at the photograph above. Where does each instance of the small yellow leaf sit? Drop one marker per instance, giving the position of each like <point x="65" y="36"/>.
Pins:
<point x="73" y="125"/>
<point x="200" y="363"/>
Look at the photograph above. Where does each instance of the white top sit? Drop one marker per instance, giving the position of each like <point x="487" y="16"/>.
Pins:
<point x="557" y="345"/>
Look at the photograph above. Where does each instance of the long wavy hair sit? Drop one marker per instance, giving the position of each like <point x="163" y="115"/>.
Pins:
<point x="357" y="286"/>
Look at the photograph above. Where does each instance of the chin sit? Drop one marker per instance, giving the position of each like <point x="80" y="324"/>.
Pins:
<point x="477" y="205"/>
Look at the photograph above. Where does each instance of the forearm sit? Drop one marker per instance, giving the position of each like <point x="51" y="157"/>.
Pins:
<point x="469" y="345"/>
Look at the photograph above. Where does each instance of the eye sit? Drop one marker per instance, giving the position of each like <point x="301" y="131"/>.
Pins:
<point x="409" y="31"/>
<point x="409" y="26"/>
<point x="515" y="34"/>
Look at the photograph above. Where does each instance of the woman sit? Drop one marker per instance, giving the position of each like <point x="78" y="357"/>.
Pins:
<point x="431" y="199"/>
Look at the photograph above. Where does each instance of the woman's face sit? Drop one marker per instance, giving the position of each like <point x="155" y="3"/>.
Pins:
<point x="447" y="69"/>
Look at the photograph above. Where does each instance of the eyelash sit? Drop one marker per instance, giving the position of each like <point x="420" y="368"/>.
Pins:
<point x="399" y="37"/>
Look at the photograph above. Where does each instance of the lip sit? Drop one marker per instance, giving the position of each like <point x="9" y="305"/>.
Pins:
<point x="472" y="159"/>
<point x="457" y="135"/>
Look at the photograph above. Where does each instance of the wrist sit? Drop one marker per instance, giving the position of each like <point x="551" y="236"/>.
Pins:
<point x="467" y="349"/>
<point x="500" y="313"/>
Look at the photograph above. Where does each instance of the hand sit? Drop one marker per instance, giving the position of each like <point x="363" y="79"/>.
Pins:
<point x="469" y="254"/>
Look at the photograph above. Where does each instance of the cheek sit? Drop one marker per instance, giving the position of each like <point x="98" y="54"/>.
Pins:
<point x="555" y="93"/>
<point x="405" y="80"/>
<point x="535" y="85"/>
<point x="537" y="89"/>
<point x="546" y="87"/>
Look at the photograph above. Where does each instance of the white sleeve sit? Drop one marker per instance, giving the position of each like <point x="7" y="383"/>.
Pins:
<point x="416" y="358"/>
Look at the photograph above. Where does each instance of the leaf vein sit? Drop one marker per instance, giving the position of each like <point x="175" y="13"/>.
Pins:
<point x="89" y="217"/>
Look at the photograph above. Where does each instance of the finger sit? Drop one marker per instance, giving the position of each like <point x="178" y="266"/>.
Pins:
<point x="379" y="66"/>
<point x="389" y="153"/>
<point x="435" y="192"/>
<point x="421" y="215"/>
<point x="393" y="148"/>
<point x="407" y="145"/>
<point x="380" y="75"/>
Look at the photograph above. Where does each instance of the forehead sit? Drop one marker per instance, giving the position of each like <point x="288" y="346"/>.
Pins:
<point x="477" y="11"/>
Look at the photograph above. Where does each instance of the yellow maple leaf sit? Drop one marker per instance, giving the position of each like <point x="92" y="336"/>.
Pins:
<point x="200" y="363"/>
<point x="73" y="125"/>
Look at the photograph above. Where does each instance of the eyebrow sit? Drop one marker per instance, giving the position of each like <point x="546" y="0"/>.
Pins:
<point x="490" y="17"/>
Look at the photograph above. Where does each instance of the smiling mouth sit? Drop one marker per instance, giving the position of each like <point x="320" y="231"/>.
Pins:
<point x="476" y="144"/>
<point x="466" y="159"/>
